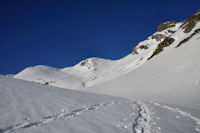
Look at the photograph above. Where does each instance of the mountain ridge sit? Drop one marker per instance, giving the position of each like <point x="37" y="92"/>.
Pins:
<point x="94" y="71"/>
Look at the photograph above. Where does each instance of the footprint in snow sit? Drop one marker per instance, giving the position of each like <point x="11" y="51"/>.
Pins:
<point x="158" y="118"/>
<point x="158" y="128"/>
<point x="124" y="119"/>
<point x="26" y="119"/>
<point x="122" y="126"/>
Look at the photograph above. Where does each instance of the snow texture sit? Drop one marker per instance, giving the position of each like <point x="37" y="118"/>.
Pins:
<point x="28" y="107"/>
<point x="160" y="94"/>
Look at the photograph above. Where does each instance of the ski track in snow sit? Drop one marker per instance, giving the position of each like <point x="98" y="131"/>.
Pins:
<point x="58" y="116"/>
<point x="142" y="121"/>
<point x="182" y="113"/>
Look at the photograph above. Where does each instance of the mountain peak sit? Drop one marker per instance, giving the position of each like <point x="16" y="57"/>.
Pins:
<point x="87" y="64"/>
<point x="93" y="71"/>
<point x="166" y="25"/>
<point x="91" y="64"/>
<point x="169" y="33"/>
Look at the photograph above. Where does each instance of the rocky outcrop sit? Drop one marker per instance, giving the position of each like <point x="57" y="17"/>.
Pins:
<point x="166" y="25"/>
<point x="158" y="37"/>
<point x="134" y="51"/>
<point x="166" y="34"/>
<point x="167" y="42"/>
<point x="190" y="22"/>
<point x="188" y="38"/>
<point x="171" y="31"/>
<point x="143" y="47"/>
<point x="84" y="63"/>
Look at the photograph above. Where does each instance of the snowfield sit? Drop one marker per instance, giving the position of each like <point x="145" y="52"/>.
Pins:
<point x="28" y="107"/>
<point x="155" y="89"/>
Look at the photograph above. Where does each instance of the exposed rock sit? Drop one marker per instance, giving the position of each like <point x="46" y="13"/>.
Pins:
<point x="143" y="47"/>
<point x="190" y="22"/>
<point x="167" y="42"/>
<point x="171" y="31"/>
<point x="188" y="38"/>
<point x="166" y="25"/>
<point x="134" y="51"/>
<point x="83" y="63"/>
<point x="164" y="38"/>
<point x="158" y="37"/>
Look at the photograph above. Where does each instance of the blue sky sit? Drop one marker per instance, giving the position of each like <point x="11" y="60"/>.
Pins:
<point x="62" y="33"/>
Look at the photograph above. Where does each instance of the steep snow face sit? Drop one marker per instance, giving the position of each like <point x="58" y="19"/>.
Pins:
<point x="185" y="31"/>
<point x="173" y="76"/>
<point x="148" y="46"/>
<point x="172" y="72"/>
<point x="27" y="107"/>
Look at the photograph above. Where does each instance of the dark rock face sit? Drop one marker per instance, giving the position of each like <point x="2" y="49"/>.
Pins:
<point x="86" y="64"/>
<point x="83" y="63"/>
<point x="134" y="51"/>
<point x="188" y="38"/>
<point x="143" y="47"/>
<point x="167" y="42"/>
<point x="165" y="39"/>
<point x="166" y="25"/>
<point x="190" y="22"/>
<point x="158" y="37"/>
<point x="171" y="31"/>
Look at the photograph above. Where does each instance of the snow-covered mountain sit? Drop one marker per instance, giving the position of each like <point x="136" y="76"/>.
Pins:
<point x="159" y="82"/>
<point x="164" y="67"/>
<point x="171" y="74"/>
<point x="170" y="35"/>
<point x="86" y="73"/>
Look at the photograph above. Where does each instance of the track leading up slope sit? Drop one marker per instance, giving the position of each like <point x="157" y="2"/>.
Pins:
<point x="27" y="107"/>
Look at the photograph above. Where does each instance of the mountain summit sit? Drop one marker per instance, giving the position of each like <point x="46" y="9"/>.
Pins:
<point x="169" y="36"/>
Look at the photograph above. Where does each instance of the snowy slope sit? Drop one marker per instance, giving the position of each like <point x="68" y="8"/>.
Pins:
<point x="161" y="76"/>
<point x="163" y="67"/>
<point x="173" y="76"/>
<point x="28" y="107"/>
<point x="95" y="71"/>
<point x="86" y="73"/>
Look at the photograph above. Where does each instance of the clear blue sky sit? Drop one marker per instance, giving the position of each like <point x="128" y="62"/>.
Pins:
<point x="62" y="33"/>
